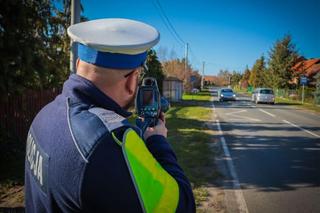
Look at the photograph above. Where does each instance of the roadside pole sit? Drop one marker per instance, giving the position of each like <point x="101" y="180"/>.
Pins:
<point x="75" y="18"/>
<point x="202" y="77"/>
<point x="302" y="94"/>
<point x="192" y="80"/>
<point x="303" y="82"/>
<point x="192" y="91"/>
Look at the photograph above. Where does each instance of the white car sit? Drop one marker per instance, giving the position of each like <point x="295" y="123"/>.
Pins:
<point x="195" y="90"/>
<point x="263" y="95"/>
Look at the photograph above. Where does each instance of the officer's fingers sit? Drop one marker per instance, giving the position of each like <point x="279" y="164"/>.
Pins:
<point x="150" y="129"/>
<point x="160" y="123"/>
<point x="141" y="118"/>
<point x="162" y="126"/>
<point x="162" y="117"/>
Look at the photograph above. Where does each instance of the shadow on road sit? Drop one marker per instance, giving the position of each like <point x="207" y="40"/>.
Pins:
<point x="277" y="162"/>
<point x="248" y="104"/>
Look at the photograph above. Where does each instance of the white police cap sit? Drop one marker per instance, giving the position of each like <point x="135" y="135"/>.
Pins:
<point x="115" y="35"/>
<point x="114" y="42"/>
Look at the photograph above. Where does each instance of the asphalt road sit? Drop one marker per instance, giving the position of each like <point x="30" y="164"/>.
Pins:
<point x="275" y="150"/>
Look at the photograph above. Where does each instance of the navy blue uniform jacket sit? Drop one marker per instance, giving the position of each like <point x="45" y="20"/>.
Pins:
<point x="74" y="165"/>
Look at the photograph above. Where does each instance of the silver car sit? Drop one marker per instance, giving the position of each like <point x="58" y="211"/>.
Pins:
<point x="263" y="95"/>
<point x="226" y="94"/>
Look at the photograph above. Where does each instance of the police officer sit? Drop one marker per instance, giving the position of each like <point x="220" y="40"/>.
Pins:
<point x="82" y="153"/>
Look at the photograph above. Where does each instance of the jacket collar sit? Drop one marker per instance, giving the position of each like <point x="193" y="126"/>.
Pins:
<point x="85" y="91"/>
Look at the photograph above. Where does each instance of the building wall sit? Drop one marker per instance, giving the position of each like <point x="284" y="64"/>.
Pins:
<point x="173" y="90"/>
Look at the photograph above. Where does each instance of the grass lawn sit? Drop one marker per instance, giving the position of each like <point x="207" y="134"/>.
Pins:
<point x="191" y="141"/>
<point x="298" y="103"/>
<point x="200" y="96"/>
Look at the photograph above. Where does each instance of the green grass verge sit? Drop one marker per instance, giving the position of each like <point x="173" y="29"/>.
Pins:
<point x="190" y="139"/>
<point x="200" y="96"/>
<point x="308" y="106"/>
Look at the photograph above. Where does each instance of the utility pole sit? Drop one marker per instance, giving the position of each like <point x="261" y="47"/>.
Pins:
<point x="186" y="58"/>
<point x="75" y="18"/>
<point x="186" y="63"/>
<point x="202" y="78"/>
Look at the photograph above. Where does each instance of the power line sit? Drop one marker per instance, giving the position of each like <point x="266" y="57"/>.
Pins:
<point x="194" y="56"/>
<point x="168" y="23"/>
<point x="173" y="31"/>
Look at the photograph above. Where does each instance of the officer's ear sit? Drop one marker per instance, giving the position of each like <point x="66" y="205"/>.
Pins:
<point x="77" y="63"/>
<point x="131" y="82"/>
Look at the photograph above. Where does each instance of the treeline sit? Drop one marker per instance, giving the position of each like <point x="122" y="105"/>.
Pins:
<point x="173" y="67"/>
<point x="274" y="72"/>
<point x="34" y="45"/>
<point x="35" y="48"/>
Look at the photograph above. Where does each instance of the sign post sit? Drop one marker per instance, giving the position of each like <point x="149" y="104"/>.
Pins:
<point x="192" y="80"/>
<point x="303" y="82"/>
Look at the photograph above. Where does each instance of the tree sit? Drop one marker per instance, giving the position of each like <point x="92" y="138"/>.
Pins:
<point x="34" y="46"/>
<point x="283" y="56"/>
<point x="257" y="75"/>
<point x="155" y="68"/>
<point x="245" y="78"/>
<point x="176" y="68"/>
<point x="197" y="76"/>
<point x="225" y="77"/>
<point x="235" y="78"/>
<point x="23" y="41"/>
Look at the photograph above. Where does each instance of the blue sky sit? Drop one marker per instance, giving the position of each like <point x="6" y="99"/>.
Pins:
<point x="227" y="34"/>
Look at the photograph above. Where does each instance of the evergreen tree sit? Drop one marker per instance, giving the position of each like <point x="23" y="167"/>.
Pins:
<point x="257" y="73"/>
<point x="34" y="46"/>
<point x="245" y="77"/>
<point x="283" y="56"/>
<point x="23" y="41"/>
<point x="235" y="78"/>
<point x="155" y="68"/>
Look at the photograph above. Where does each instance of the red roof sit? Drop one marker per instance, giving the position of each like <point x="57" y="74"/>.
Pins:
<point x="210" y="78"/>
<point x="308" y="67"/>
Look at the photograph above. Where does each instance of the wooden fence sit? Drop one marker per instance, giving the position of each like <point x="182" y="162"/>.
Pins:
<point x="18" y="111"/>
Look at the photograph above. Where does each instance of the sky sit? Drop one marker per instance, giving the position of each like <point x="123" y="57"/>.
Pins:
<point x="228" y="34"/>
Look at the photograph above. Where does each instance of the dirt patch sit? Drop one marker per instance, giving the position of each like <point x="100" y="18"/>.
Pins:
<point x="12" y="197"/>
<point x="215" y="201"/>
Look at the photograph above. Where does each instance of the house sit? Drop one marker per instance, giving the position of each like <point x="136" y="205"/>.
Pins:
<point x="308" y="68"/>
<point x="209" y="80"/>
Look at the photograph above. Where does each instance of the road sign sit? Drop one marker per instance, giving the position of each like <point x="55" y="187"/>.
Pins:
<point x="303" y="80"/>
<point x="193" y="78"/>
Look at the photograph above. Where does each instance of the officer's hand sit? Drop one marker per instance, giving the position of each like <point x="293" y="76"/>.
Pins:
<point x="159" y="129"/>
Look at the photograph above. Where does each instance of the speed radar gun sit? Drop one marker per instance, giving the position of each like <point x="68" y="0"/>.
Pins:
<point x="149" y="104"/>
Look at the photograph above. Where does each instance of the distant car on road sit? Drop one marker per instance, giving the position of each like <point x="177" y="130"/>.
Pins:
<point x="226" y="94"/>
<point x="263" y="95"/>
<point x="195" y="90"/>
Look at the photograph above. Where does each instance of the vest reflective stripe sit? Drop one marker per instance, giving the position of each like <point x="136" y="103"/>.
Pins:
<point x="158" y="190"/>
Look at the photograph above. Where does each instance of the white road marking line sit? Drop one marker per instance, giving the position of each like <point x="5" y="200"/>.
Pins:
<point x="242" y="205"/>
<point x="268" y="113"/>
<point x="230" y="113"/>
<point x="305" y="130"/>
<point x="245" y="117"/>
